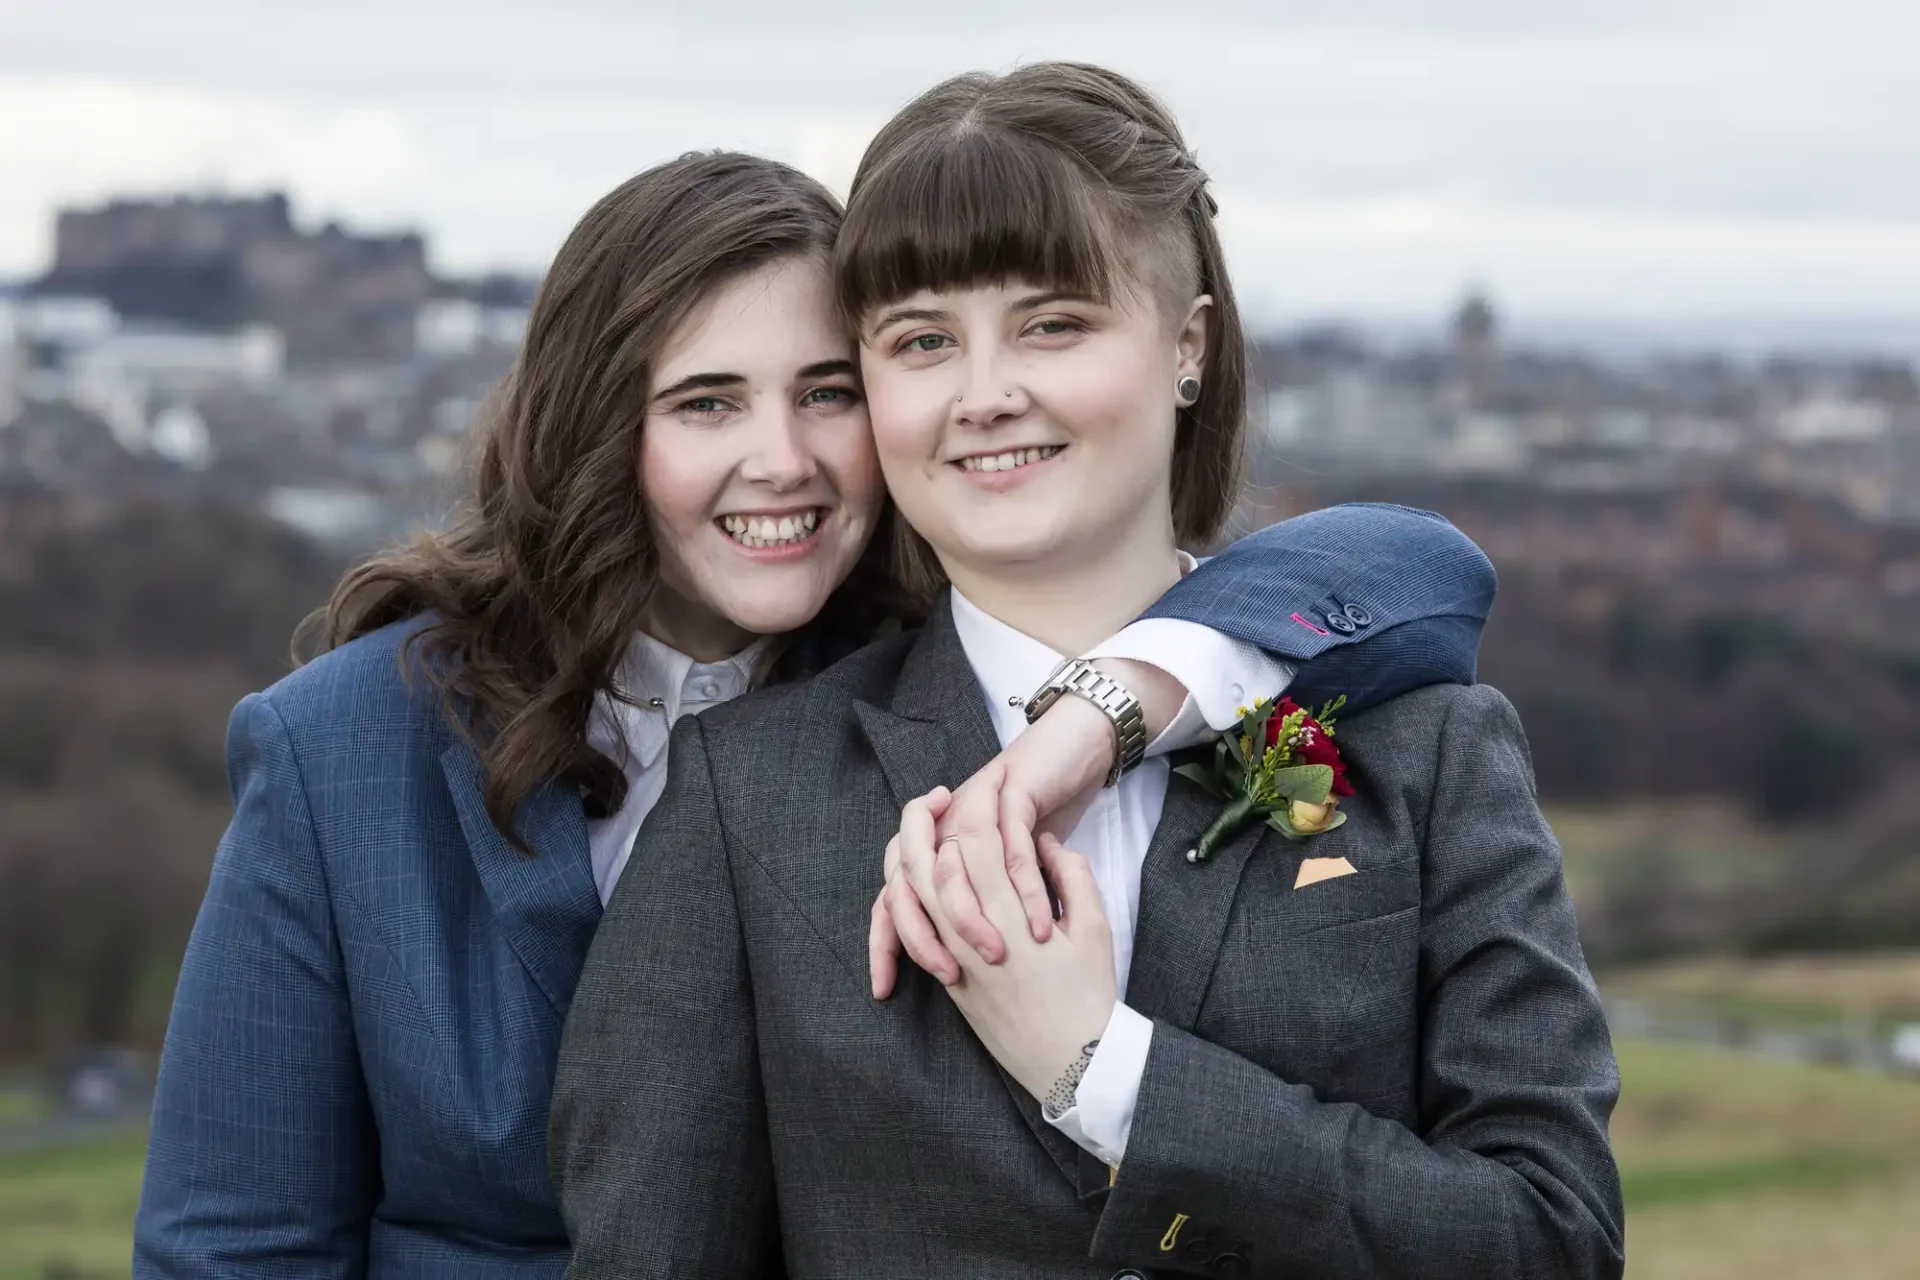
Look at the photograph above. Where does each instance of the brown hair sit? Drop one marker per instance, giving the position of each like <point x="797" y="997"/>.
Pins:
<point x="536" y="590"/>
<point x="1073" y="177"/>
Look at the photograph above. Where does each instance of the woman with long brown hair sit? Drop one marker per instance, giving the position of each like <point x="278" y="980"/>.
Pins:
<point x="676" y="498"/>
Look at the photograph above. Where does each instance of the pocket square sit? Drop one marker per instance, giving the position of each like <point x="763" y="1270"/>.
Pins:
<point x="1314" y="870"/>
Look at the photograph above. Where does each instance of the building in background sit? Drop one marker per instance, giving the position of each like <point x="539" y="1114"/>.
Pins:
<point x="225" y="263"/>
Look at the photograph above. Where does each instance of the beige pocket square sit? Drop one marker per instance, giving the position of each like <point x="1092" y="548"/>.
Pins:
<point x="1314" y="870"/>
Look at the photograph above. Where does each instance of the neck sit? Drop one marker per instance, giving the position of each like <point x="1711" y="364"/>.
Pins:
<point x="692" y="628"/>
<point x="1072" y="606"/>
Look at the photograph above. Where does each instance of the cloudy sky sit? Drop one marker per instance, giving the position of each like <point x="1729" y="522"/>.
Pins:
<point x="1651" y="162"/>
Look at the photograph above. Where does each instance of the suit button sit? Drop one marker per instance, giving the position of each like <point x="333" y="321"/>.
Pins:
<point x="1197" y="1251"/>
<point x="1231" y="1266"/>
<point x="1342" y="623"/>
<point x="1358" y="616"/>
<point x="1129" y="1274"/>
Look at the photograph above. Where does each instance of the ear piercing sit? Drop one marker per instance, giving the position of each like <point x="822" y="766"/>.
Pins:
<point x="1187" y="391"/>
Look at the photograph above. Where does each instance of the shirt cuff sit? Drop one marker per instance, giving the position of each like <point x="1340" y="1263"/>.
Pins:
<point x="1221" y="675"/>
<point x="1101" y="1116"/>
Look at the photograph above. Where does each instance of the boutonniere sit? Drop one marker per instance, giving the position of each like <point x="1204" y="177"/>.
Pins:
<point x="1282" y="766"/>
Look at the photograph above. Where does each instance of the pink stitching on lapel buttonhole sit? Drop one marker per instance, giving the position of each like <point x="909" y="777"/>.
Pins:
<point x="1309" y="626"/>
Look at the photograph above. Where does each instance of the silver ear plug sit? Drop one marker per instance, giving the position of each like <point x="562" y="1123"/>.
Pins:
<point x="1187" y="390"/>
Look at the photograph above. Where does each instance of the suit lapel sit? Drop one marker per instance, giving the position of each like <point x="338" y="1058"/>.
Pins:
<point x="1184" y="907"/>
<point x="937" y="732"/>
<point x="547" y="905"/>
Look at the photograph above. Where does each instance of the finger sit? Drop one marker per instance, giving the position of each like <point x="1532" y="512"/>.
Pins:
<point x="1017" y="818"/>
<point x="917" y="836"/>
<point x="919" y="825"/>
<point x="916" y="931"/>
<point x="972" y="820"/>
<point x="1080" y="904"/>
<point x="975" y="818"/>
<point x="883" y="943"/>
<point x="961" y="905"/>
<point x="883" y="949"/>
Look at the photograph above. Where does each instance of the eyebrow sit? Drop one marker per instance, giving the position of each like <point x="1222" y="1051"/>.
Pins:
<point x="934" y="315"/>
<point x="698" y="382"/>
<point x="1057" y="295"/>
<point x="710" y="381"/>
<point x="897" y="314"/>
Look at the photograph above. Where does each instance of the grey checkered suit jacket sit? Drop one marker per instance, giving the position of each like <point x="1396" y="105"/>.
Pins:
<point x="1400" y="1073"/>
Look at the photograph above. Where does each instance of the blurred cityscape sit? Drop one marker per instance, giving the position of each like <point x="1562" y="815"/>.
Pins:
<point x="1709" y="619"/>
<point x="211" y="347"/>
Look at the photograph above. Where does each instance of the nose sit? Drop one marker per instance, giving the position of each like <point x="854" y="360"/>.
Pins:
<point x="780" y="456"/>
<point x="990" y="394"/>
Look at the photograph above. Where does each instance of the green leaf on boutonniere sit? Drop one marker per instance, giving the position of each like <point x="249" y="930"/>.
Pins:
<point x="1229" y="749"/>
<point x="1204" y="776"/>
<point x="1312" y="783"/>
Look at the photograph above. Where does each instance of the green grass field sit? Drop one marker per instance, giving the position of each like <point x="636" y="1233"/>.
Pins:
<point x="67" y="1214"/>
<point x="1743" y="1170"/>
<point x="1732" y="1168"/>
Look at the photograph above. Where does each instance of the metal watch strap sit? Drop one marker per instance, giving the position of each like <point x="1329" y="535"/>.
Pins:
<point x="1115" y="700"/>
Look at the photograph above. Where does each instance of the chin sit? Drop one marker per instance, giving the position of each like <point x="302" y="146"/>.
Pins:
<point x="1015" y="546"/>
<point x="776" y="611"/>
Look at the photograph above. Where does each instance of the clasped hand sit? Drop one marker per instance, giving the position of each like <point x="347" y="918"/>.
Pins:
<point x="1043" y="1000"/>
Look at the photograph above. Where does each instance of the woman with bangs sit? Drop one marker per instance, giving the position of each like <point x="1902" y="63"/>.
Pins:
<point x="677" y="498"/>
<point x="1376" y="1052"/>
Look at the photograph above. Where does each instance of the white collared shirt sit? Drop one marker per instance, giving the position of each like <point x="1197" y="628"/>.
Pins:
<point x="666" y="684"/>
<point x="1221" y="676"/>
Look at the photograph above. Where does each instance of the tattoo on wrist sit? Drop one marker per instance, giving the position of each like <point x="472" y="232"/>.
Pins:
<point x="1060" y="1098"/>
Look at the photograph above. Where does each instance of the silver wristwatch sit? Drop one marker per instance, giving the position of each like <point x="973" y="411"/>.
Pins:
<point x="1078" y="676"/>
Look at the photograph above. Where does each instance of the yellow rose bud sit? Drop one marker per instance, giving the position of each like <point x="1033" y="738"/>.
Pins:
<point x="1309" y="819"/>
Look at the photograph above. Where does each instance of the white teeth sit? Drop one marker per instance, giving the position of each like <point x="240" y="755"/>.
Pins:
<point x="1009" y="460"/>
<point x="771" y="531"/>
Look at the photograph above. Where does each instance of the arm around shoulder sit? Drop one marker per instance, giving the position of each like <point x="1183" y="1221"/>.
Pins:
<point x="263" y="1151"/>
<point x="658" y="1135"/>
<point x="1371" y="599"/>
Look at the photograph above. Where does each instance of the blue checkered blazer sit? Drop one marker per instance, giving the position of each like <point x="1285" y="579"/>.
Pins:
<point x="361" y="1054"/>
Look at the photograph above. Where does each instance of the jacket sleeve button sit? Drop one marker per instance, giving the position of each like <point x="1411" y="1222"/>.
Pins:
<point x="1342" y="623"/>
<point x="1358" y="616"/>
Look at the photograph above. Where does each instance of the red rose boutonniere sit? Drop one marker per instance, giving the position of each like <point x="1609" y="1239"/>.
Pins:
<point x="1280" y="766"/>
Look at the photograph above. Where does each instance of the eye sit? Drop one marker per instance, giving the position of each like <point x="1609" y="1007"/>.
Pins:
<point x="830" y="396"/>
<point x="1054" y="326"/>
<point x="704" y="406"/>
<point x="926" y="342"/>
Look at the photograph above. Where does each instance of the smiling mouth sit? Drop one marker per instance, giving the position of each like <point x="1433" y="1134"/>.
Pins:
<point x="772" y="531"/>
<point x="1010" y="460"/>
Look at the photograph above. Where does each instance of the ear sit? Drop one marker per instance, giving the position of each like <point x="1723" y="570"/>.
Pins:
<point x="1190" y="341"/>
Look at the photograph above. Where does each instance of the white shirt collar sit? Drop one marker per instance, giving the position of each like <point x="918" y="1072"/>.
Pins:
<point x="1009" y="663"/>
<point x="667" y="684"/>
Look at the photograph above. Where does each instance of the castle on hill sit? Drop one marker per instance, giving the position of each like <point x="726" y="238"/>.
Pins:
<point x="226" y="263"/>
